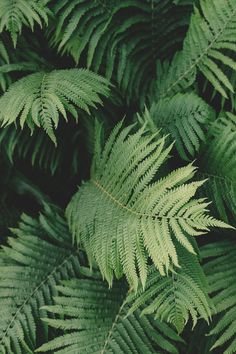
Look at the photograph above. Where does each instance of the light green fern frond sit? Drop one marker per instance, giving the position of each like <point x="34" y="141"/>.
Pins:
<point x="15" y="14"/>
<point x="122" y="216"/>
<point x="218" y="164"/>
<point x="177" y="297"/>
<point x="220" y="266"/>
<point x="31" y="265"/>
<point x="210" y="40"/>
<point x="38" y="99"/>
<point x="185" y="117"/>
<point x="94" y="320"/>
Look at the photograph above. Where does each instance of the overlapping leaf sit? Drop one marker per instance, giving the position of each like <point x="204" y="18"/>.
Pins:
<point x="30" y="266"/>
<point x="178" y="296"/>
<point x="220" y="266"/>
<point x="38" y="99"/>
<point x="218" y="164"/>
<point x="210" y="40"/>
<point x="186" y="118"/>
<point x="94" y="320"/>
<point x="122" y="215"/>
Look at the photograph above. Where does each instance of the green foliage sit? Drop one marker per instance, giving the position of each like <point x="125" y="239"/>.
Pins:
<point x="116" y="87"/>
<point x="38" y="149"/>
<point x="31" y="265"/>
<point x="121" y="216"/>
<point x="185" y="117"/>
<point x="220" y="262"/>
<point x="122" y="39"/>
<point x="178" y="296"/>
<point x="38" y="99"/>
<point x="210" y="40"/>
<point x="95" y="321"/>
<point x="218" y="164"/>
<point x="14" y="14"/>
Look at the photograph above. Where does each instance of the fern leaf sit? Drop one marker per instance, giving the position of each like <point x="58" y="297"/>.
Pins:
<point x="14" y="14"/>
<point x="176" y="297"/>
<point x="218" y="165"/>
<point x="39" y="98"/>
<point x="108" y="331"/>
<point x="37" y="148"/>
<point x="31" y="265"/>
<point x="185" y="117"/>
<point x="120" y="39"/>
<point x="220" y="258"/>
<point x="121" y="216"/>
<point x="211" y="30"/>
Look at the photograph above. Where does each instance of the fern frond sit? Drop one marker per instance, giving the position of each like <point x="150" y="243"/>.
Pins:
<point x="121" y="216"/>
<point x="31" y="265"/>
<point x="218" y="164"/>
<point x="15" y="14"/>
<point x="220" y="258"/>
<point x="185" y="117"/>
<point x="176" y="297"/>
<point x="211" y="33"/>
<point x="17" y="144"/>
<point x="4" y="60"/>
<point x="94" y="320"/>
<point x="120" y="39"/>
<point x="39" y="98"/>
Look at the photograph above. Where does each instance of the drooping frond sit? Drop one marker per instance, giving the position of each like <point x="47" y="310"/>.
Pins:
<point x="17" y="144"/>
<point x="93" y="320"/>
<point x="15" y="14"/>
<point x="39" y="98"/>
<point x="220" y="258"/>
<point x="218" y="164"/>
<point x="176" y="297"/>
<point x="185" y="117"/>
<point x="122" y="39"/>
<point x="31" y="265"/>
<point x="210" y="40"/>
<point x="121" y="216"/>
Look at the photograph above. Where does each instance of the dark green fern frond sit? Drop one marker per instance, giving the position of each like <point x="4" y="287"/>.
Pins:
<point x="15" y="14"/>
<point x="17" y="144"/>
<point x="177" y="297"/>
<point x="218" y="164"/>
<point x="4" y="60"/>
<point x="30" y="266"/>
<point x="185" y="117"/>
<point x="39" y="99"/>
<point x="120" y="39"/>
<point x="93" y="320"/>
<point x="122" y="216"/>
<point x="210" y="41"/>
<point x="220" y="266"/>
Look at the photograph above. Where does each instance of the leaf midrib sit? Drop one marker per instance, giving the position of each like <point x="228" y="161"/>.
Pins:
<point x="196" y="62"/>
<point x="55" y="269"/>
<point x="136" y="213"/>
